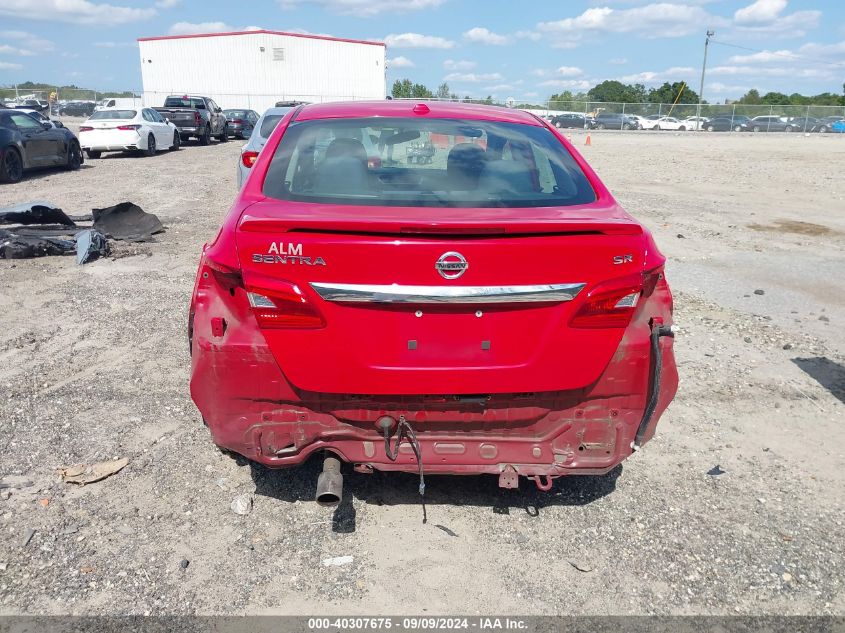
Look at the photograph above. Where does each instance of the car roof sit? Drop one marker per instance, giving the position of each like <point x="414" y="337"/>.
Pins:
<point x="405" y="108"/>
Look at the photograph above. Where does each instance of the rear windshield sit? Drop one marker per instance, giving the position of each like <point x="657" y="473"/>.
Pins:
<point x="187" y="102"/>
<point x="235" y="113"/>
<point x="114" y="114"/>
<point x="269" y="124"/>
<point x="424" y="162"/>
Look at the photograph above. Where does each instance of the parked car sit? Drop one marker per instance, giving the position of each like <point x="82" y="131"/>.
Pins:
<point x="126" y="103"/>
<point x="804" y="123"/>
<point x="39" y="105"/>
<point x="838" y="126"/>
<point x="826" y="123"/>
<point x="262" y="131"/>
<point x="695" y="122"/>
<point x="735" y="123"/>
<point x="241" y="122"/>
<point x="571" y="120"/>
<point x="28" y="144"/>
<point x="669" y="123"/>
<point x="615" y="121"/>
<point x="347" y="308"/>
<point x="40" y="117"/>
<point x="77" y="108"/>
<point x="642" y="122"/>
<point x="770" y="124"/>
<point x="119" y="130"/>
<point x="197" y="117"/>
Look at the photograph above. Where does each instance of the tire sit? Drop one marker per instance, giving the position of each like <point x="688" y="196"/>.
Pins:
<point x="557" y="124"/>
<point x="151" y="146"/>
<point x="824" y="129"/>
<point x="756" y="128"/>
<point x="74" y="156"/>
<point x="177" y="142"/>
<point x="710" y="128"/>
<point x="737" y="128"/>
<point x="788" y="129"/>
<point x="11" y="166"/>
<point x="683" y="128"/>
<point x="600" y="126"/>
<point x="225" y="136"/>
<point x="205" y="139"/>
<point x="93" y="153"/>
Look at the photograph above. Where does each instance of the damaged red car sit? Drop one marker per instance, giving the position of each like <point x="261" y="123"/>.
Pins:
<point x="491" y="309"/>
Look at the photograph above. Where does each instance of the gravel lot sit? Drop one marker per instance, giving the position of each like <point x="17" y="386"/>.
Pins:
<point x="94" y="365"/>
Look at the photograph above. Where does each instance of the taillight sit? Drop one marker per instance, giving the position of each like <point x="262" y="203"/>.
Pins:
<point x="237" y="121"/>
<point x="374" y="162"/>
<point x="249" y="158"/>
<point x="197" y="117"/>
<point x="609" y="305"/>
<point x="85" y="128"/>
<point x="284" y="307"/>
<point x="128" y="127"/>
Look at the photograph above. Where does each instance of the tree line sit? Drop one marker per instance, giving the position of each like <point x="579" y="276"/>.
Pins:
<point x="612" y="91"/>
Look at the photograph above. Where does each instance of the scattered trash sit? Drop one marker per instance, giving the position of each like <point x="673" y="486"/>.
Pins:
<point x="759" y="292"/>
<point x="681" y="236"/>
<point x="38" y="212"/>
<point x="337" y="561"/>
<point x="787" y="346"/>
<point x="43" y="502"/>
<point x="786" y="537"/>
<point x="83" y="474"/>
<point x="581" y="566"/>
<point x="87" y="569"/>
<point x="242" y="504"/>
<point x="716" y="471"/>
<point x="747" y="339"/>
<point x="445" y="529"/>
<point x="27" y="536"/>
<point x="90" y="245"/>
<point x="16" y="246"/>
<point x="184" y="563"/>
<point x="127" y="221"/>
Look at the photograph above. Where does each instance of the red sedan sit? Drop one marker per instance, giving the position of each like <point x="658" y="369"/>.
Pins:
<point x="491" y="310"/>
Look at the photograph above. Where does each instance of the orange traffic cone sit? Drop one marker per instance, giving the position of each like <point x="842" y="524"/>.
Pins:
<point x="588" y="141"/>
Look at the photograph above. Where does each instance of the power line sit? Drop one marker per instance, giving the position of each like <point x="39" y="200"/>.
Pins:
<point x="786" y="57"/>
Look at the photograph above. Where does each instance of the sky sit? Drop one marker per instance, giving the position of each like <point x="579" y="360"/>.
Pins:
<point x="527" y="50"/>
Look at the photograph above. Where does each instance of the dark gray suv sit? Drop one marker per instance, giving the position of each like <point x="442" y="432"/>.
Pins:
<point x="615" y="121"/>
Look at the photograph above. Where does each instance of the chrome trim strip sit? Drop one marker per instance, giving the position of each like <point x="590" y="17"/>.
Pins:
<point x="367" y="293"/>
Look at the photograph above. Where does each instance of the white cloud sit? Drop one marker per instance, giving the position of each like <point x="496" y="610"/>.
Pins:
<point x="75" y="11"/>
<point x="27" y="43"/>
<point x="483" y="36"/>
<point x="720" y="88"/>
<point x="528" y="35"/>
<point x="366" y="8"/>
<point x="9" y="66"/>
<point x="568" y="84"/>
<point x="400" y="62"/>
<point x="473" y="77"/>
<point x="762" y="57"/>
<point x="760" y="12"/>
<point x="461" y="64"/>
<point x="114" y="44"/>
<point x="192" y="28"/>
<point x="663" y="19"/>
<point x="763" y="17"/>
<point x="538" y="72"/>
<point x="773" y="71"/>
<point x="415" y="40"/>
<point x="499" y="88"/>
<point x="569" y="71"/>
<point x="167" y="4"/>
<point x="5" y="49"/>
<point x="651" y="77"/>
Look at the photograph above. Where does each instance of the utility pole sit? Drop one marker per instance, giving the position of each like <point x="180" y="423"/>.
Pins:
<point x="701" y="87"/>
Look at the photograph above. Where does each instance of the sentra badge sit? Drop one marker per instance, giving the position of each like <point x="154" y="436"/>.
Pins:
<point x="281" y="253"/>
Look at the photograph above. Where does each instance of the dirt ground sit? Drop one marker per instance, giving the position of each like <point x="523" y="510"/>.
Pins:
<point x="94" y="365"/>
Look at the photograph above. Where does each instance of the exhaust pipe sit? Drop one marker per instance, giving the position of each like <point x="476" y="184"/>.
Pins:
<point x="330" y="483"/>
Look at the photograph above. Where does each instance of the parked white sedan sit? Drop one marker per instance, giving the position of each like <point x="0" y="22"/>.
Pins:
<point x="669" y="123"/>
<point x="123" y="130"/>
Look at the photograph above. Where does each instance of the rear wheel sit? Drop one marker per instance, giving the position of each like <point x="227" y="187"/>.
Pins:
<point x="225" y="136"/>
<point x="74" y="156"/>
<point x="710" y="128"/>
<point x="788" y="128"/>
<point x="177" y="142"/>
<point x="737" y="128"/>
<point x="205" y="138"/>
<point x="11" y="166"/>
<point x="151" y="145"/>
<point x="93" y="153"/>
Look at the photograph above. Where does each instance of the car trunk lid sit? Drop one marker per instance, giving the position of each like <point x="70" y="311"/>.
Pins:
<point x="478" y="301"/>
